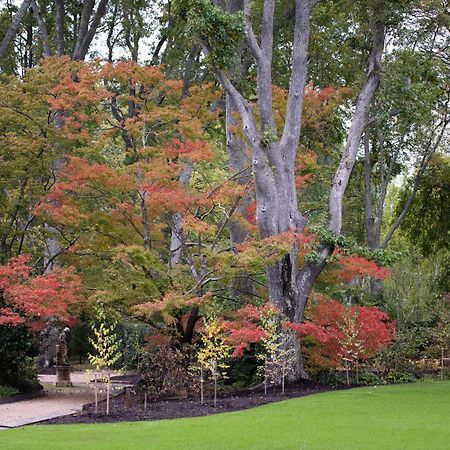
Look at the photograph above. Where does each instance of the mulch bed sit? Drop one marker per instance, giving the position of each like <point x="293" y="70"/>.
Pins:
<point x="158" y="408"/>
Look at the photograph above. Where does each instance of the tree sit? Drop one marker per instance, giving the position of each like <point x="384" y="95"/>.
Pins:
<point x="88" y="24"/>
<point x="408" y="126"/>
<point x="105" y="341"/>
<point x="354" y="333"/>
<point x="33" y="300"/>
<point x="273" y="153"/>
<point x="427" y="226"/>
<point x="213" y="353"/>
<point x="106" y="345"/>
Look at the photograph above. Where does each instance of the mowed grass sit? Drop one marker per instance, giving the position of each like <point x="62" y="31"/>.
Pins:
<point x="413" y="416"/>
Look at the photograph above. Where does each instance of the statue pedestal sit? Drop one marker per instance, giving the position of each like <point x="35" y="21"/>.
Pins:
<point x="63" y="376"/>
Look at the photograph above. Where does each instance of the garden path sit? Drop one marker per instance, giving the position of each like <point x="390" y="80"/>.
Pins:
<point x="54" y="403"/>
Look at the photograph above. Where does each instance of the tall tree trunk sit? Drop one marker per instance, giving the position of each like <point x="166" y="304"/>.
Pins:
<point x="43" y="31"/>
<point x="59" y="27"/>
<point x="273" y="159"/>
<point x="110" y="42"/>
<point x="88" y="7"/>
<point x="369" y="218"/>
<point x="176" y="243"/>
<point x="311" y="270"/>
<point x="239" y="162"/>
<point x="85" y="35"/>
<point x="12" y="30"/>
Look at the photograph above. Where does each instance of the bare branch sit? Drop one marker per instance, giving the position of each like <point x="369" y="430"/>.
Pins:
<point x="357" y="126"/>
<point x="249" y="33"/>
<point x="43" y="30"/>
<point x="292" y="124"/>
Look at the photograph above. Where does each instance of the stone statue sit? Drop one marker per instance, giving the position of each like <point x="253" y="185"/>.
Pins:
<point x="61" y="349"/>
<point x="61" y="362"/>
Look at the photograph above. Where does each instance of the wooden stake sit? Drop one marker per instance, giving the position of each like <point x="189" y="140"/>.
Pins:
<point x="215" y="391"/>
<point x="346" y="371"/>
<point x="108" y="389"/>
<point x="145" y="401"/>
<point x="201" y="384"/>
<point x="265" y="377"/>
<point x="96" y="393"/>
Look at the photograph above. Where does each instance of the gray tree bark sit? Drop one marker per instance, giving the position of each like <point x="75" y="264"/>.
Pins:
<point x="88" y="7"/>
<point x="86" y="37"/>
<point x="59" y="27"/>
<point x="43" y="31"/>
<point x="12" y="30"/>
<point x="239" y="162"/>
<point x="176" y="243"/>
<point x="274" y="157"/>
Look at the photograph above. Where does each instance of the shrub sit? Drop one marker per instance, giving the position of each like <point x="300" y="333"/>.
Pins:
<point x="16" y="358"/>
<point x="165" y="367"/>
<point x="6" y="391"/>
<point x="336" y="334"/>
<point x="132" y="343"/>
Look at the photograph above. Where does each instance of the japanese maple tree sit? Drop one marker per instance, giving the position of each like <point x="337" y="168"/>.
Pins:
<point x="31" y="300"/>
<point x="340" y="331"/>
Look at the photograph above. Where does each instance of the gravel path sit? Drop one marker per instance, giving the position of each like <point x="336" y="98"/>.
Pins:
<point x="56" y="402"/>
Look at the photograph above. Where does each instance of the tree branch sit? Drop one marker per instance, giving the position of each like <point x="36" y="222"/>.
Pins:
<point x="357" y="126"/>
<point x="11" y="32"/>
<point x="245" y="110"/>
<point x="299" y="62"/>
<point x="43" y="30"/>
<point x="249" y="33"/>
<point x="423" y="166"/>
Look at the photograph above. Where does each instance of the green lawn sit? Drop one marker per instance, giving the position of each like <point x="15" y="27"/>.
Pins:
<point x="413" y="416"/>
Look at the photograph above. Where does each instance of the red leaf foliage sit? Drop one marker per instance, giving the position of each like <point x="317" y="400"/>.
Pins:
<point x="337" y="330"/>
<point x="32" y="300"/>
<point x="247" y="327"/>
<point x="355" y="266"/>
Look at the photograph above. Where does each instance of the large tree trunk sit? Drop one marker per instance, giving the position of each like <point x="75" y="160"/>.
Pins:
<point x="43" y="31"/>
<point x="60" y="27"/>
<point x="311" y="270"/>
<point x="273" y="159"/>
<point x="85" y="34"/>
<point x="239" y="163"/>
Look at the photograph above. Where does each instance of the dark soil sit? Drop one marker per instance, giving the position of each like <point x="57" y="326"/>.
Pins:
<point x="158" y="408"/>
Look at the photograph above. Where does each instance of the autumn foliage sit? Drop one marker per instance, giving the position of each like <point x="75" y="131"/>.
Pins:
<point x="354" y="266"/>
<point x="338" y="332"/>
<point x="33" y="299"/>
<point x="247" y="326"/>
